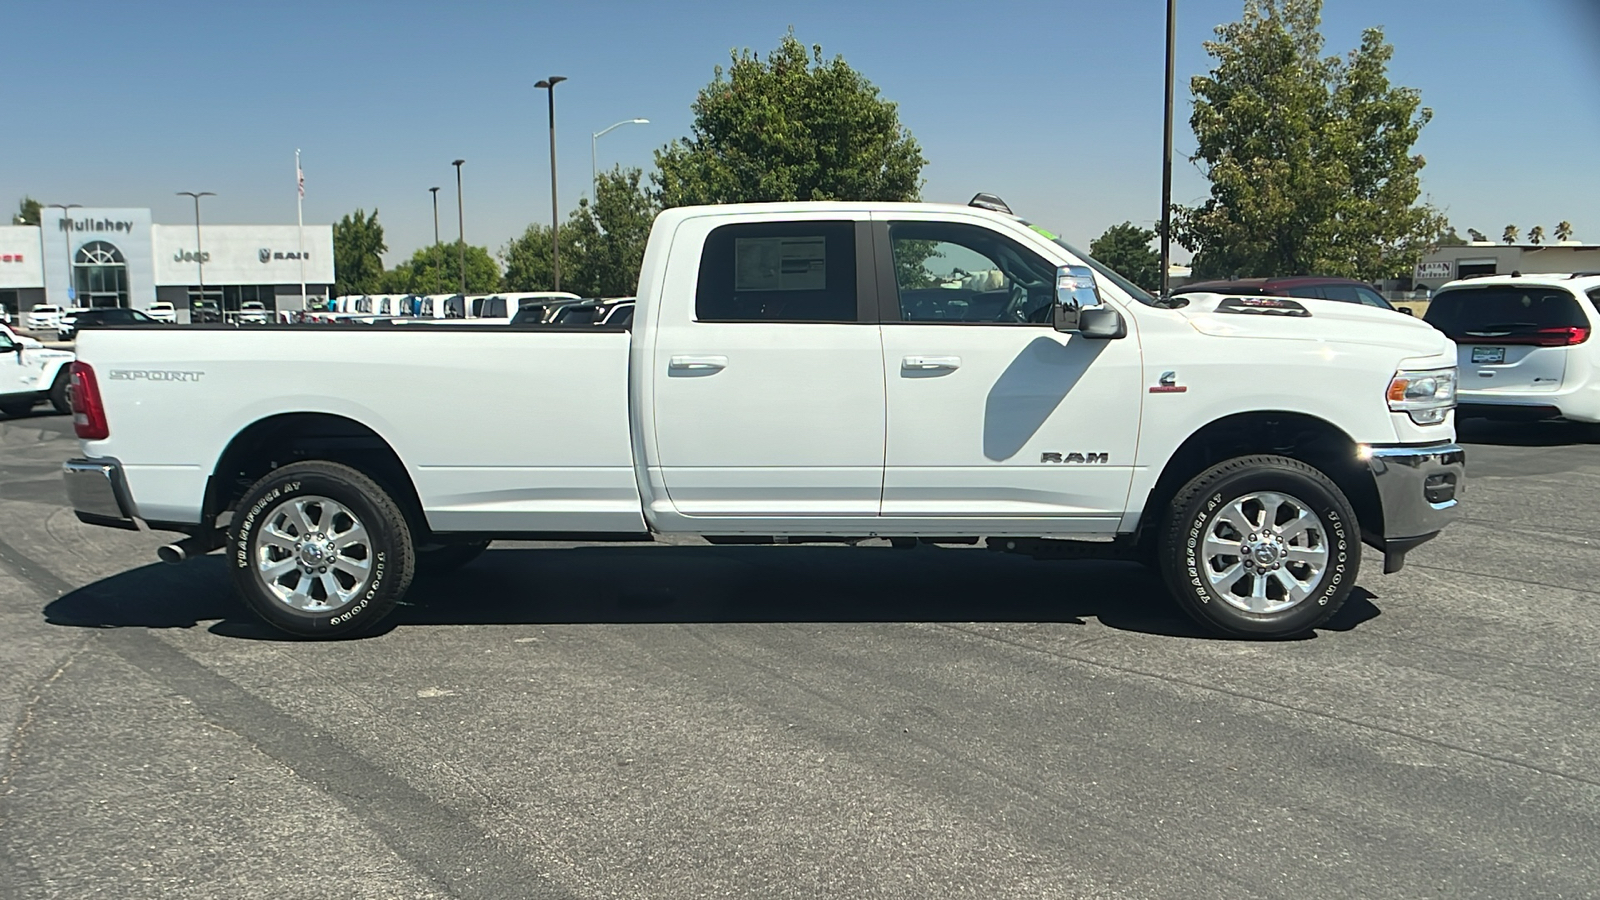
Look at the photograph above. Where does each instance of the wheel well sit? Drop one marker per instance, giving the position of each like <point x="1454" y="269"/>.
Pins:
<point x="1296" y="435"/>
<point x="294" y="437"/>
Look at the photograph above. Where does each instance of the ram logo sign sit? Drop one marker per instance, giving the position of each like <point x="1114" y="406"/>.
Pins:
<point x="1076" y="458"/>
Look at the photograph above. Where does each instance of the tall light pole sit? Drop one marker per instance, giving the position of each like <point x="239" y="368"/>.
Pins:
<point x="594" y="164"/>
<point x="549" y="84"/>
<point x="434" y="281"/>
<point x="461" y="229"/>
<point x="199" y="256"/>
<point x="66" y="241"/>
<point x="435" y="192"/>
<point x="1166" y="154"/>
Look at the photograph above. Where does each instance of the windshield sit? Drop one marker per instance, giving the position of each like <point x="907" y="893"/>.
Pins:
<point x="1133" y="290"/>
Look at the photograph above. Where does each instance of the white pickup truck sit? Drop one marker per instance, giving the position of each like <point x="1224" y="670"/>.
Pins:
<point x="801" y="372"/>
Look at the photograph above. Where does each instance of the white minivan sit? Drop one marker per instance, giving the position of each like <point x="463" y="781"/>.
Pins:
<point x="1526" y="344"/>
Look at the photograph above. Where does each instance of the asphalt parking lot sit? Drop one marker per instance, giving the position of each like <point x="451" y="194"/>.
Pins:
<point x="696" y="721"/>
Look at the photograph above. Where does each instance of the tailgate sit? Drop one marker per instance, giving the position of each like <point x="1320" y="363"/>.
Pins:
<point x="1511" y="367"/>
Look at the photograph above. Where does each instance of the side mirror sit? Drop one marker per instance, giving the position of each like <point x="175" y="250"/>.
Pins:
<point x="1078" y="307"/>
<point x="1101" y="324"/>
<point x="1405" y="309"/>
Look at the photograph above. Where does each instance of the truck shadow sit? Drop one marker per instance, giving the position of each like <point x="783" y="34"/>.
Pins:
<point x="695" y="584"/>
<point x="1526" y="434"/>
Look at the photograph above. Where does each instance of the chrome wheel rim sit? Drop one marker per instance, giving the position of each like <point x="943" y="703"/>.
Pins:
<point x="1265" y="552"/>
<point x="313" y="554"/>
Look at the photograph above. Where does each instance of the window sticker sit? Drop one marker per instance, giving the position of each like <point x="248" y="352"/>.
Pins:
<point x="780" y="264"/>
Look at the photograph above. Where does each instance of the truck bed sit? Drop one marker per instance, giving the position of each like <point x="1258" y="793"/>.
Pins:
<point x="466" y="408"/>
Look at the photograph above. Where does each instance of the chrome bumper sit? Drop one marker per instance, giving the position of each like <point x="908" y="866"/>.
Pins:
<point x="1419" y="489"/>
<point x="98" y="493"/>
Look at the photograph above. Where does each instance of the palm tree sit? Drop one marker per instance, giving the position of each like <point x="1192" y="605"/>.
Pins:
<point x="1564" y="231"/>
<point x="1536" y="234"/>
<point x="1510" y="235"/>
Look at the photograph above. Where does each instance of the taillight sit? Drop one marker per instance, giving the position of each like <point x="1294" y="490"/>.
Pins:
<point x="88" y="411"/>
<point x="1563" y="336"/>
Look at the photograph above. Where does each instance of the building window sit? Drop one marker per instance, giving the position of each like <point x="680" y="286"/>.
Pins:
<point x="100" y="275"/>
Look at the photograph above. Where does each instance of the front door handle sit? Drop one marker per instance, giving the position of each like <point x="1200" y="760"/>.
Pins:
<point x="930" y="363"/>
<point x="697" y="363"/>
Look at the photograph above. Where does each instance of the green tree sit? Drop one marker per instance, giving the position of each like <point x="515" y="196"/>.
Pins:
<point x="1309" y="158"/>
<point x="1509" y="235"/>
<point x="358" y="249"/>
<point x="1536" y="234"/>
<point x="1451" y="239"/>
<point x="437" y="270"/>
<point x="790" y="127"/>
<point x="27" y="212"/>
<point x="1564" y="231"/>
<point x="527" y="258"/>
<point x="1476" y="236"/>
<point x="613" y="235"/>
<point x="1126" y="250"/>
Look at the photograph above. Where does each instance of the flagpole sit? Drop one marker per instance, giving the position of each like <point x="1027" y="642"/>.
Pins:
<point x="300" y="217"/>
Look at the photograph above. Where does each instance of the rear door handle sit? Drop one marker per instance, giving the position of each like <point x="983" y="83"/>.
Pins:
<point x="930" y="363"/>
<point x="697" y="363"/>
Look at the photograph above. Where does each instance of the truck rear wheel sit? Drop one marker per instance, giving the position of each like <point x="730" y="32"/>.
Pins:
<point x="320" y="550"/>
<point x="1260" y="546"/>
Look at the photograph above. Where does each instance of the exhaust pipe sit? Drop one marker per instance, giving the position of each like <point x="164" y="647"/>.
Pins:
<point x="196" y="545"/>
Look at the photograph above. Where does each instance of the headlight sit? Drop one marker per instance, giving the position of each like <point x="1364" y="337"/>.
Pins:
<point x="1427" y="396"/>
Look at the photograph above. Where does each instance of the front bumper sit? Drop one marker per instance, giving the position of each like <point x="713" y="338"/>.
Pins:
<point x="98" y="493"/>
<point x="1418" y="488"/>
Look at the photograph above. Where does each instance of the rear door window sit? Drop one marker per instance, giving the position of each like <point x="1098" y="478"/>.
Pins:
<point x="1503" y="310"/>
<point x="778" y="272"/>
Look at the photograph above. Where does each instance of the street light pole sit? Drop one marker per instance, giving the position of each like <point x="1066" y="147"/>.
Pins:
<point x="66" y="241"/>
<point x="1166" y="155"/>
<point x="461" y="230"/>
<point x="199" y="255"/>
<point x="594" y="164"/>
<point x="549" y="84"/>
<point x="435" y="192"/>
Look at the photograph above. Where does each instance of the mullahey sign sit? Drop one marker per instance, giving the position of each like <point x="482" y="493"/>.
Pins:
<point x="95" y="225"/>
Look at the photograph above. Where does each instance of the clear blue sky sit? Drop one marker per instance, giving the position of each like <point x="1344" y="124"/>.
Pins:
<point x="1055" y="106"/>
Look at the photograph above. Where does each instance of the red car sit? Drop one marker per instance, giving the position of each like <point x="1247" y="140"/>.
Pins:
<point x="1344" y="290"/>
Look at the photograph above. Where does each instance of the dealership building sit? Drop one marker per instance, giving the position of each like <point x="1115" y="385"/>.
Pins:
<point x="1479" y="258"/>
<point x="117" y="257"/>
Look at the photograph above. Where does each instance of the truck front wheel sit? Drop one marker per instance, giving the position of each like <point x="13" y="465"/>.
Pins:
<point x="320" y="550"/>
<point x="1260" y="546"/>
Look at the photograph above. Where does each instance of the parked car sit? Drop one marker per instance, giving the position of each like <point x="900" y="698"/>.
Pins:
<point x="543" y="310"/>
<point x="5" y="316"/>
<point x="1344" y="290"/>
<point x="65" y="324"/>
<point x="253" y="312"/>
<point x="1526" y="344"/>
<point x="784" y="393"/>
<point x="43" y="317"/>
<point x="98" y="318"/>
<point x="621" y="314"/>
<point x="162" y="311"/>
<point x="31" y="374"/>
<point x="205" y="312"/>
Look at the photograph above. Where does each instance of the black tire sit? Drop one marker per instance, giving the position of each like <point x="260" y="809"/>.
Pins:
<point x="442" y="558"/>
<point x="17" y="410"/>
<point x="58" y="392"/>
<point x="1201" y="509"/>
<point x="266" y="513"/>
